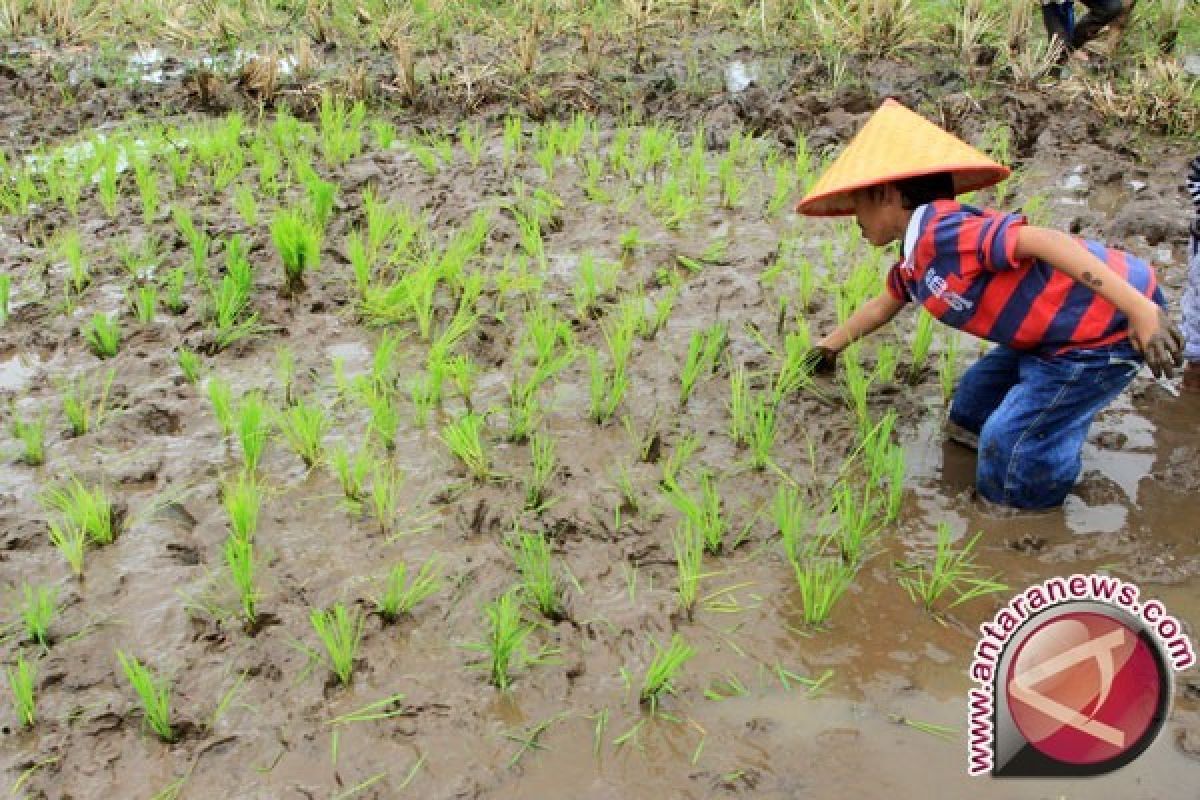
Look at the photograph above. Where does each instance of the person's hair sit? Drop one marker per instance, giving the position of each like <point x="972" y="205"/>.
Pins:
<point x="925" y="189"/>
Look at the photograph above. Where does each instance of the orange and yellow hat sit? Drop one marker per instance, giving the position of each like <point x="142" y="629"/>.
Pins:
<point x="895" y="144"/>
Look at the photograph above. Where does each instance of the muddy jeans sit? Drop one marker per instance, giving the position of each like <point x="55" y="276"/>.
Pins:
<point x="1191" y="298"/>
<point x="1032" y="414"/>
<point x="1060" y="23"/>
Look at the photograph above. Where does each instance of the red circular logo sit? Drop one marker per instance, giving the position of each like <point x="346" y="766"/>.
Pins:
<point x="1084" y="688"/>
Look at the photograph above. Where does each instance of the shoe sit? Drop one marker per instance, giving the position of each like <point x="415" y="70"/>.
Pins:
<point x="1191" y="377"/>
<point x="960" y="435"/>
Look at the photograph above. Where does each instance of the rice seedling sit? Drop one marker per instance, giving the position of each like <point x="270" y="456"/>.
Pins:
<point x="660" y="676"/>
<point x="70" y="540"/>
<point x="340" y="633"/>
<point x="860" y="516"/>
<point x="593" y="281"/>
<point x="464" y="438"/>
<point x="220" y="397"/>
<point x="821" y="580"/>
<point x="89" y="510"/>
<point x="153" y="692"/>
<point x="703" y="512"/>
<point x="384" y="419"/>
<point x="951" y="571"/>
<point x="704" y="353"/>
<point x="5" y="296"/>
<point x="531" y="552"/>
<point x="858" y="385"/>
<point x="795" y="368"/>
<point x="504" y="644"/>
<point x="321" y="196"/>
<point x="541" y="448"/>
<point x="341" y="129"/>
<point x="792" y="519"/>
<point x="246" y="205"/>
<point x="107" y="189"/>
<point x="948" y="367"/>
<point x="252" y="428"/>
<point x="303" y="426"/>
<point x="733" y="187"/>
<point x="741" y="409"/>
<point x="384" y="133"/>
<point x="239" y="558"/>
<point x="298" y="242"/>
<point x="688" y="543"/>
<point x="38" y="609"/>
<point x="386" y="482"/>
<point x="22" y="681"/>
<point x="352" y="471"/>
<point x="103" y="335"/>
<point x="401" y="595"/>
<point x="678" y="459"/>
<point x="470" y="136"/>
<point x="762" y="431"/>
<point x="31" y="433"/>
<point x="607" y="388"/>
<point x="242" y="498"/>
<point x="921" y="341"/>
<point x="147" y="184"/>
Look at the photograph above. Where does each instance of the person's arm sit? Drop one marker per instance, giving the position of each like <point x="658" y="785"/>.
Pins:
<point x="1150" y="331"/>
<point x="873" y="314"/>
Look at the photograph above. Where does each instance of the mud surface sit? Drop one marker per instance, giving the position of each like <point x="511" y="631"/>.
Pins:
<point x="883" y="658"/>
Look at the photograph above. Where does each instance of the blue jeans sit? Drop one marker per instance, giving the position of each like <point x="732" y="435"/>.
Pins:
<point x="1032" y="414"/>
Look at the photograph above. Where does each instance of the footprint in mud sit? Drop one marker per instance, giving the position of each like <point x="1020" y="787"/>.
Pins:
<point x="1181" y="473"/>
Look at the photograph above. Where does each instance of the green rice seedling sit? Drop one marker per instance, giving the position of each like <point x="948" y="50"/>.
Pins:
<point x="384" y="133"/>
<point x="38" y="609"/>
<point x="31" y="433"/>
<point x="352" y="471"/>
<point x="220" y="397"/>
<point x="175" y="302"/>
<point x="5" y="296"/>
<point x="239" y="558"/>
<point x="762" y="431"/>
<point x="242" y="497"/>
<point x="741" y="407"/>
<point x="607" y="387"/>
<point x="821" y="581"/>
<point x="340" y="633"/>
<point x="630" y="240"/>
<point x="593" y="281"/>
<point x="71" y="541"/>
<point x="303" y="426"/>
<point x="463" y="373"/>
<point x="951" y="571"/>
<point x="88" y="509"/>
<point x="147" y="183"/>
<point x="145" y="304"/>
<point x="246" y="205"/>
<point x="688" y="543"/>
<point x="285" y="373"/>
<point x="703" y="512"/>
<point x="425" y="157"/>
<point x="524" y="408"/>
<point x="858" y="385"/>
<point x="179" y="164"/>
<point x="85" y="401"/>
<point x="470" y="136"/>
<point x="886" y="359"/>
<point x="860" y="517"/>
<point x="79" y="275"/>
<point x="663" y="671"/>
<point x="103" y="335"/>
<point x="504" y="645"/>
<point x="386" y="482"/>
<point x="298" y="242"/>
<point x="464" y="438"/>
<point x="531" y="552"/>
<point x="426" y="393"/>
<point x="948" y="367"/>
<point x="341" y="129"/>
<point x="253" y="429"/>
<point x="791" y="517"/>
<point x="107" y="189"/>
<point x="674" y="463"/>
<point x="321" y="196"/>
<point x="400" y="595"/>
<point x="153" y="692"/>
<point x="733" y="186"/>
<point x="795" y="368"/>
<point x="921" y="341"/>
<point x="541" y="448"/>
<point x="704" y="353"/>
<point x="513" y="140"/>
<point x="22" y="681"/>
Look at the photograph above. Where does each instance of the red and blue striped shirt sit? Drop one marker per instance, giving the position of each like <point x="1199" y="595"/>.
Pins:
<point x="960" y="265"/>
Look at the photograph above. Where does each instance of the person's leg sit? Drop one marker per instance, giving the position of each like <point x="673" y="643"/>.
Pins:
<point x="980" y="391"/>
<point x="1059" y="18"/>
<point x="1100" y="13"/>
<point x="1191" y="293"/>
<point x="1030" y="449"/>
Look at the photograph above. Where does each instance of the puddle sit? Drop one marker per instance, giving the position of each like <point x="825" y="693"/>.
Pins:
<point x="739" y="76"/>
<point x="17" y="372"/>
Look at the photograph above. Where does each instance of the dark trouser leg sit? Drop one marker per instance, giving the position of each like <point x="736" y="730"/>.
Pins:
<point x="1100" y="13"/>
<point x="1055" y="16"/>
<point x="982" y="388"/>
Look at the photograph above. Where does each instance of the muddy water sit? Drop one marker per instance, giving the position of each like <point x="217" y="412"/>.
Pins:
<point x="881" y="658"/>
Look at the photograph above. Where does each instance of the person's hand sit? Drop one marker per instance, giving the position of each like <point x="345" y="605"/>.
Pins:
<point x="1159" y="341"/>
<point x="820" y="360"/>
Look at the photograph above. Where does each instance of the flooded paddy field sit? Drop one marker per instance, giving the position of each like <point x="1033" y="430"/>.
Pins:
<point x="502" y="386"/>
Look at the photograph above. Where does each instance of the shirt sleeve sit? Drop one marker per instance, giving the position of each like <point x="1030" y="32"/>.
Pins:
<point x="988" y="238"/>
<point x="895" y="284"/>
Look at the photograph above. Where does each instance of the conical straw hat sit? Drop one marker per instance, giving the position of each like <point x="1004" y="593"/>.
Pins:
<point x="896" y="144"/>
